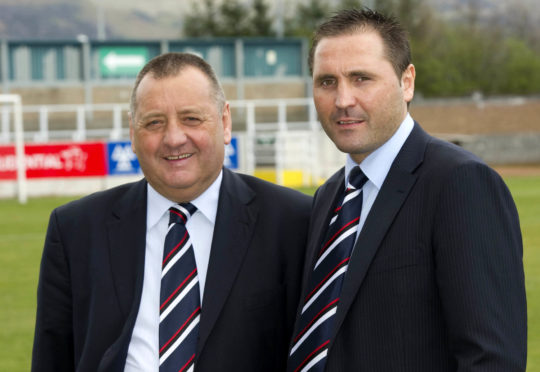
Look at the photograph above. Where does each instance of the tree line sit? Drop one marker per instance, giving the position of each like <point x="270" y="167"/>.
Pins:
<point x="468" y="53"/>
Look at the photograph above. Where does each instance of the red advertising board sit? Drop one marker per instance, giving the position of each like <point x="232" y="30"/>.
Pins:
<point x="56" y="160"/>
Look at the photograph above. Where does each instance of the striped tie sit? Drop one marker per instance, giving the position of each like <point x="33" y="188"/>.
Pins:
<point x="314" y="327"/>
<point x="180" y="305"/>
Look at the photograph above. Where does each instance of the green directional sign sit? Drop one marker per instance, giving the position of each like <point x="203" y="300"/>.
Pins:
<point x="122" y="61"/>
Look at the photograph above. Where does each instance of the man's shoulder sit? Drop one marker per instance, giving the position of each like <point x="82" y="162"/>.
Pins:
<point x="446" y="163"/>
<point x="435" y="150"/>
<point x="444" y="158"/>
<point x="438" y="155"/>
<point x="98" y="201"/>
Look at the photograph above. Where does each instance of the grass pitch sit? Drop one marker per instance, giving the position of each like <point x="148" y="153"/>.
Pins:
<point x="526" y="193"/>
<point x="22" y="232"/>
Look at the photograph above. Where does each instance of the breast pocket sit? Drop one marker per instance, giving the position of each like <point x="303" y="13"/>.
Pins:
<point x="398" y="261"/>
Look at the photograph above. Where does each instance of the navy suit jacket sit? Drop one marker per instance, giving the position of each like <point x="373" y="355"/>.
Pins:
<point x="92" y="272"/>
<point x="435" y="282"/>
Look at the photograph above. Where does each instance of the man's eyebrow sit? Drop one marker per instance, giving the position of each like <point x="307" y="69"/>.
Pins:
<point x="151" y="115"/>
<point x="349" y="74"/>
<point x="357" y="73"/>
<point x="188" y="110"/>
<point x="323" y="77"/>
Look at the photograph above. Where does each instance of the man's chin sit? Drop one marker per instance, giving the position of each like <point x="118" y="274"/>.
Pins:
<point x="349" y="148"/>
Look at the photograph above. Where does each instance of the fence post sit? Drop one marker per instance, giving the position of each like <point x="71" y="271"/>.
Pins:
<point x="279" y="145"/>
<point x="5" y="124"/>
<point x="116" y="133"/>
<point x="80" y="134"/>
<point x="313" y="144"/>
<point x="43" y="124"/>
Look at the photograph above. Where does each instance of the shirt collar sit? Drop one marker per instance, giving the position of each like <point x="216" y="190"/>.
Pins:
<point x="377" y="164"/>
<point x="206" y="203"/>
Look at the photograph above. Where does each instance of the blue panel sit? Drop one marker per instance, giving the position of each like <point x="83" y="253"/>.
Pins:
<point x="121" y="159"/>
<point x="218" y="53"/>
<point x="36" y="63"/>
<point x="38" y="54"/>
<point x="272" y="58"/>
<point x="231" y="154"/>
<point x="11" y="58"/>
<point x="60" y="63"/>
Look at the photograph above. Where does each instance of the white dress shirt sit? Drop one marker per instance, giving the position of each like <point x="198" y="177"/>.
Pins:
<point x="143" y="353"/>
<point x="376" y="166"/>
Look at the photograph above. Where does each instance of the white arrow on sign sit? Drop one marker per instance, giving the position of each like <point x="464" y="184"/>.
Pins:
<point x="114" y="61"/>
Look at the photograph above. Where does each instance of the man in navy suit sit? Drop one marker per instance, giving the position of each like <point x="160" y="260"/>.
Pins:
<point x="434" y="279"/>
<point x="99" y="286"/>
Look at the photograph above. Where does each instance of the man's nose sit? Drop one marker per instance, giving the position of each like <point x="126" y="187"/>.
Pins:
<point x="174" y="133"/>
<point x="345" y="96"/>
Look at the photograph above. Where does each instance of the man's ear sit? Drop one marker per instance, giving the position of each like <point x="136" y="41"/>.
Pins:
<point x="131" y="129"/>
<point x="227" y="123"/>
<point x="407" y="82"/>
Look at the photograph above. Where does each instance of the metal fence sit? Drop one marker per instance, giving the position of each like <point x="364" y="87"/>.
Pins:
<point x="281" y="134"/>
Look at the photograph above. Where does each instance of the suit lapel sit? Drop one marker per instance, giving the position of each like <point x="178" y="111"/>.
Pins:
<point x="127" y="244"/>
<point x="126" y="230"/>
<point x="234" y="226"/>
<point x="394" y="192"/>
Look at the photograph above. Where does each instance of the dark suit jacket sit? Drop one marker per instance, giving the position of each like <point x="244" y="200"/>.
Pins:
<point x="92" y="271"/>
<point x="436" y="281"/>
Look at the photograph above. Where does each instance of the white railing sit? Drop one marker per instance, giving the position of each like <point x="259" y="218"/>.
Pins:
<point x="279" y="133"/>
<point x="76" y="127"/>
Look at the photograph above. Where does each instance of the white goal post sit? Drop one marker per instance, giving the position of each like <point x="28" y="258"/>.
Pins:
<point x="15" y="101"/>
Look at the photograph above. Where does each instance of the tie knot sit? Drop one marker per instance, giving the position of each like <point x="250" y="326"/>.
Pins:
<point x="180" y="213"/>
<point x="357" y="178"/>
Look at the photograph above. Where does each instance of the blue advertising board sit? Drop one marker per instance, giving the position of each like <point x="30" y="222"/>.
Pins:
<point x="231" y="154"/>
<point x="122" y="159"/>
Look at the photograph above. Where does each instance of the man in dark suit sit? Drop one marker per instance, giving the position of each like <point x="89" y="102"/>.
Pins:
<point x="101" y="300"/>
<point x="414" y="261"/>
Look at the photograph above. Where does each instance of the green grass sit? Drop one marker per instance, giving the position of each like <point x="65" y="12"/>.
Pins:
<point x="526" y="193"/>
<point x="22" y="231"/>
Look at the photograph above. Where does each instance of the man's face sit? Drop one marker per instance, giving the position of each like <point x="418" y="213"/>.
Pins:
<point x="359" y="99"/>
<point x="178" y="133"/>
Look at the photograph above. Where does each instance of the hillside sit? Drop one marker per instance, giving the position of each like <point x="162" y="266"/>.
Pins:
<point x="143" y="19"/>
<point x="65" y="19"/>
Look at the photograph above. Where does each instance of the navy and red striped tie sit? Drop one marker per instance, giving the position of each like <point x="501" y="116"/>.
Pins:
<point x="180" y="305"/>
<point x="315" y="324"/>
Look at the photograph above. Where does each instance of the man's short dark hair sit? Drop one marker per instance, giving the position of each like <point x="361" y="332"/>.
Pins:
<point x="350" y="21"/>
<point x="171" y="64"/>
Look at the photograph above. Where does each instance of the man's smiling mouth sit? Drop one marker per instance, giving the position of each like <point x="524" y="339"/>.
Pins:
<point x="178" y="157"/>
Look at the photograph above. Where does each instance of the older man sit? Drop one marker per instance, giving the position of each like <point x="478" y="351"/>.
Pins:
<point x="193" y="266"/>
